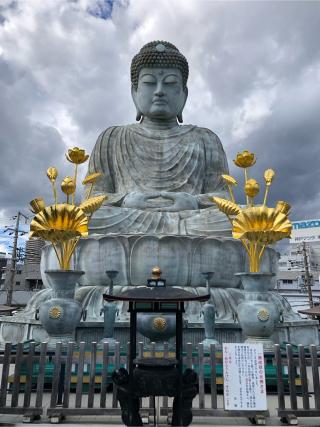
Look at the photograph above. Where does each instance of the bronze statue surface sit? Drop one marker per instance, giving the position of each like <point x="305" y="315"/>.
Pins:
<point x="160" y="176"/>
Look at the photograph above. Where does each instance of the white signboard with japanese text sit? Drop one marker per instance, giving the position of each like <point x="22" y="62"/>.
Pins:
<point x="305" y="231"/>
<point x="244" y="377"/>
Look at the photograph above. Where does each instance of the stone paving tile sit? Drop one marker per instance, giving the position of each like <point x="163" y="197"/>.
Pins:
<point x="14" y="421"/>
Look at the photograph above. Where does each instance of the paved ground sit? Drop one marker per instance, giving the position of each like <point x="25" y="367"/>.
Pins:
<point x="109" y="421"/>
<point x="112" y="421"/>
<point x="82" y="421"/>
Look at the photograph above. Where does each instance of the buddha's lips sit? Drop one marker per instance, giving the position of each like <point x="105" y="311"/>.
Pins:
<point x="159" y="102"/>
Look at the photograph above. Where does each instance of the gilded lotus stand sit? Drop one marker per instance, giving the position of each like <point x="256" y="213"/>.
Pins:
<point x="63" y="225"/>
<point x="256" y="227"/>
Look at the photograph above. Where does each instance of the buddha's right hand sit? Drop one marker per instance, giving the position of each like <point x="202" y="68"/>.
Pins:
<point x="137" y="200"/>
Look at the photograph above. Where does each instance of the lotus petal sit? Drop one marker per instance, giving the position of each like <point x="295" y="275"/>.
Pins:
<point x="283" y="207"/>
<point x="227" y="207"/>
<point x="261" y="224"/>
<point x="59" y="223"/>
<point x="92" y="178"/>
<point x="228" y="179"/>
<point x="37" y="205"/>
<point x="91" y="205"/>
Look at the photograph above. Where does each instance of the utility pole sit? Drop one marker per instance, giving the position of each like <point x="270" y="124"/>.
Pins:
<point x="307" y="277"/>
<point x="10" y="274"/>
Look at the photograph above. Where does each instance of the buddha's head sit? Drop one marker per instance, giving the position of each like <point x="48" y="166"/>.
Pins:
<point x="159" y="74"/>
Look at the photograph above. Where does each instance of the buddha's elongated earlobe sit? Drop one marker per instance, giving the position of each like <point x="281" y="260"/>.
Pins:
<point x="138" y="116"/>
<point x="179" y="115"/>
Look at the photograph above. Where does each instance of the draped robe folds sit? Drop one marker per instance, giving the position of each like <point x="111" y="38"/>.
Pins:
<point x="185" y="159"/>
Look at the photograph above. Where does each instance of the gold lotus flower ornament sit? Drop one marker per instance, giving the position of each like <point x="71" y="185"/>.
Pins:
<point x="64" y="224"/>
<point x="91" y="205"/>
<point x="251" y="188"/>
<point x="230" y="181"/>
<point x="283" y="207"/>
<point x="256" y="226"/>
<point x="245" y="159"/>
<point x="91" y="179"/>
<point x="227" y="207"/>
<point x="37" y="205"/>
<point x="268" y="177"/>
<point x="261" y="224"/>
<point x="77" y="155"/>
<point x="68" y="186"/>
<point x="59" y="223"/>
<point x="52" y="174"/>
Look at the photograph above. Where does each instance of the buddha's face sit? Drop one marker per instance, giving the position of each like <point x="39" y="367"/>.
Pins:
<point x="160" y="93"/>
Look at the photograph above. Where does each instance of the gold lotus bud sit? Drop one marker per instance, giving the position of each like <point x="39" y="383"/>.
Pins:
<point x="68" y="186"/>
<point x="37" y="205"/>
<point x="283" y="207"/>
<point x="268" y="176"/>
<point x="251" y="188"/>
<point x="52" y="173"/>
<point x="229" y="180"/>
<point x="245" y="159"/>
<point x="77" y="155"/>
<point x="92" y="178"/>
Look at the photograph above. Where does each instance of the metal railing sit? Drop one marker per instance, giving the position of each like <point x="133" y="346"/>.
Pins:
<point x="77" y="380"/>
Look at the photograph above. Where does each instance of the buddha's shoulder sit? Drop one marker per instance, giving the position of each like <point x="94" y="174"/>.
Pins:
<point x="206" y="133"/>
<point x="110" y="130"/>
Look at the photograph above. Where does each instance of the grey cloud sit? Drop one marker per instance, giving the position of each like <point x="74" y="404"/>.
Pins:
<point x="254" y="80"/>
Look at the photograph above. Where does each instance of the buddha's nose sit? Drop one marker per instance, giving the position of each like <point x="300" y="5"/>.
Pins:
<point x="159" y="90"/>
<point x="159" y="93"/>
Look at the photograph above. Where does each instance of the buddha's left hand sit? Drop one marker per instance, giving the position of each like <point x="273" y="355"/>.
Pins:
<point x="181" y="202"/>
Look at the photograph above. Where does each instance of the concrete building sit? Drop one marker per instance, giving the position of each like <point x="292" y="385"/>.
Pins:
<point x="27" y="278"/>
<point x="292" y="264"/>
<point x="31" y="268"/>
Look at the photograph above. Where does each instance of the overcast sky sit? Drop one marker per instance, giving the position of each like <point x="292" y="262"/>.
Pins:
<point x="254" y="80"/>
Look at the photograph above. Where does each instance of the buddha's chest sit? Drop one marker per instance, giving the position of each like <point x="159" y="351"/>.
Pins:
<point x="169" y="165"/>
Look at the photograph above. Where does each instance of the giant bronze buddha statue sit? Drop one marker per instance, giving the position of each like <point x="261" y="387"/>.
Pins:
<point x="160" y="177"/>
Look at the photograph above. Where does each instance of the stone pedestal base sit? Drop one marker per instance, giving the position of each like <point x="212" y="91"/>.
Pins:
<point x="303" y="332"/>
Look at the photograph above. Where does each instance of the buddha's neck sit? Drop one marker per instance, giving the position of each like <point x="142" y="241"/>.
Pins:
<point x="158" y="124"/>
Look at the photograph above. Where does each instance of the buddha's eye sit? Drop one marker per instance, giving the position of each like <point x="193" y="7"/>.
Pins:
<point x="171" y="80"/>
<point x="149" y="80"/>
